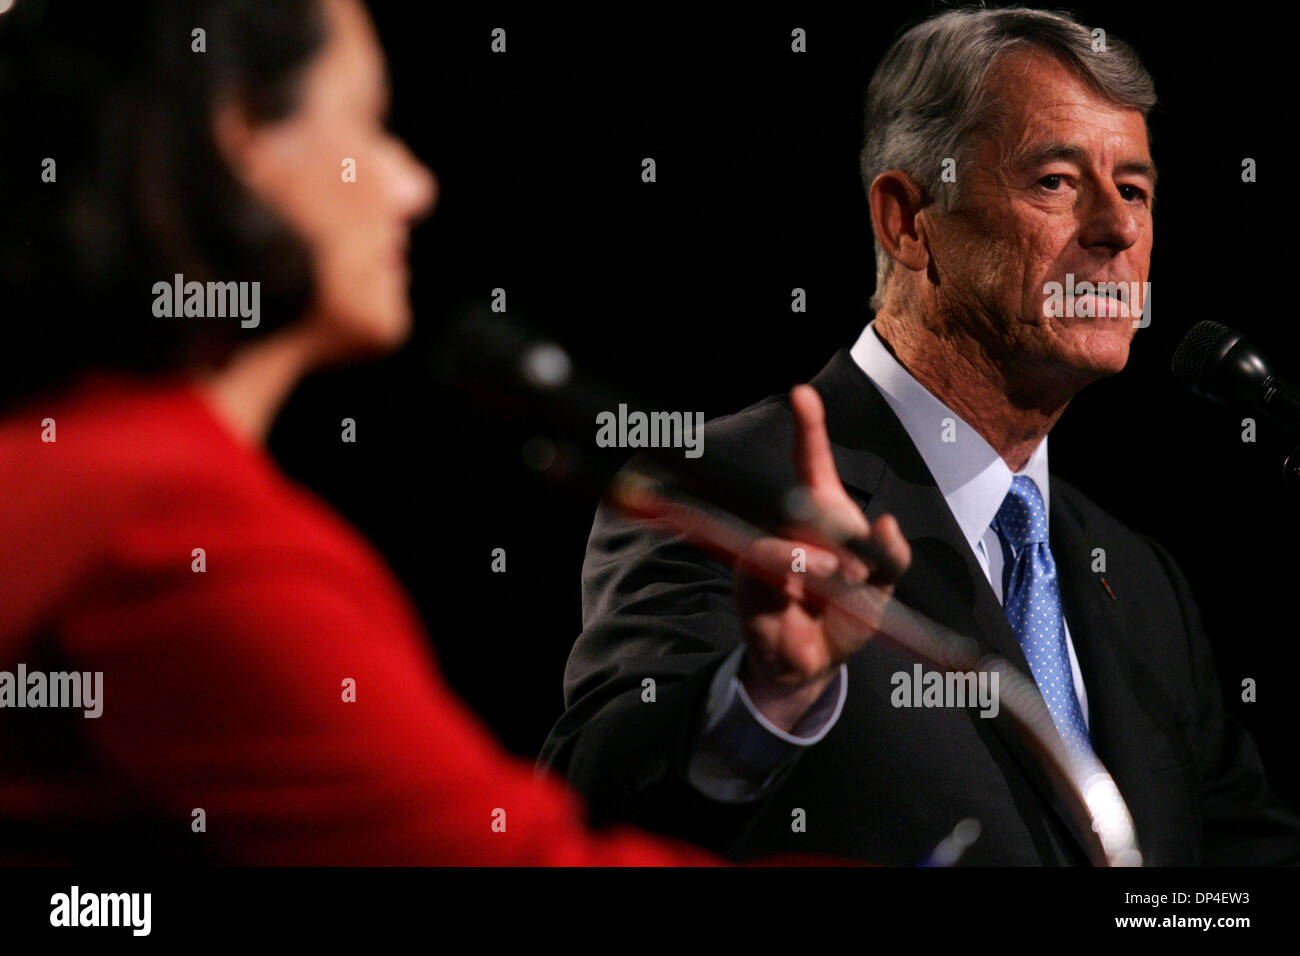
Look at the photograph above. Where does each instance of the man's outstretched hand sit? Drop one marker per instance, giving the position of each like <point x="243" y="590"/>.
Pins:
<point x="794" y="642"/>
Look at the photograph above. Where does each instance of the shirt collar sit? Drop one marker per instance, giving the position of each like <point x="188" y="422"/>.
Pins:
<point x="972" y="477"/>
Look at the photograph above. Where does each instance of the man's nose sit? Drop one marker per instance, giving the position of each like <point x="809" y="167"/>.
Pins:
<point x="1111" y="220"/>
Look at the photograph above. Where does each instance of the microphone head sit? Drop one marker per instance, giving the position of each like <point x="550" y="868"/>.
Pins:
<point x="478" y="344"/>
<point x="1220" y="364"/>
<point x="1197" y="349"/>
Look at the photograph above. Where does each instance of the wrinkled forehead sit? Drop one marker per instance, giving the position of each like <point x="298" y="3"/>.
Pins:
<point x="1038" y="112"/>
<point x="1033" y="97"/>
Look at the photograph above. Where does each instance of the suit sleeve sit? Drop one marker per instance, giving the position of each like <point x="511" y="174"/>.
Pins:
<point x="659" y="623"/>
<point x="1244" y="821"/>
<point x="228" y="692"/>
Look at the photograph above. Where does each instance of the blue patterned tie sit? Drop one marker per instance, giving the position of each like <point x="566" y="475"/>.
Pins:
<point x="1032" y="600"/>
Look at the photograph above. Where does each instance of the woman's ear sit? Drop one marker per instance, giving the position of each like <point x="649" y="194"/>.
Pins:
<point x="249" y="150"/>
<point x="233" y="134"/>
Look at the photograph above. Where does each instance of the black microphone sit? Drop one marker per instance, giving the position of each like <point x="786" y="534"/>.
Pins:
<point x="1223" y="366"/>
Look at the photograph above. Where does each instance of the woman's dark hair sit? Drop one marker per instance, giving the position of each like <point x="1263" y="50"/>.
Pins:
<point x="120" y="97"/>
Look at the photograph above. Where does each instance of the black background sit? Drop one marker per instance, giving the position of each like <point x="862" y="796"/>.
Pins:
<point x="680" y="291"/>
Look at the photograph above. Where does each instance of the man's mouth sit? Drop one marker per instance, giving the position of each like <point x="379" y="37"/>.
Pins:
<point x="1106" y="288"/>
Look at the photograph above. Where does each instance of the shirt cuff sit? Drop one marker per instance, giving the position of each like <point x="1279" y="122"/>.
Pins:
<point x="740" y="752"/>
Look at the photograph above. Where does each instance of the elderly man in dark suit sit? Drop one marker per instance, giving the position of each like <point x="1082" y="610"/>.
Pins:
<point x="1006" y="160"/>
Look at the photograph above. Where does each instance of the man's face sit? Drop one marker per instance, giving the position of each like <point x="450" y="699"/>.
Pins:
<point x="1064" y="186"/>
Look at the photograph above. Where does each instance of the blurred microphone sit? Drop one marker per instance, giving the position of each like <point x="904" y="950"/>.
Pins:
<point x="1222" y="365"/>
<point x="484" y="353"/>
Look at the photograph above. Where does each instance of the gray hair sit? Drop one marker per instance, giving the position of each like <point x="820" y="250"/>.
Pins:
<point x="927" y="101"/>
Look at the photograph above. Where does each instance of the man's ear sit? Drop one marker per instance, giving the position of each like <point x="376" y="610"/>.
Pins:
<point x="896" y="202"/>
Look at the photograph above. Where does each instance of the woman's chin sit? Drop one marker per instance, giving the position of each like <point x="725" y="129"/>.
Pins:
<point x="393" y="329"/>
<point x="369" y="335"/>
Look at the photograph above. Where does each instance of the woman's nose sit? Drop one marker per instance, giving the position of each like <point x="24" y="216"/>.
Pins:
<point x="416" y="189"/>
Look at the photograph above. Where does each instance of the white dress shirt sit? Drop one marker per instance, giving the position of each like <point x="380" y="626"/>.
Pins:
<point x="972" y="476"/>
<point x="739" y="752"/>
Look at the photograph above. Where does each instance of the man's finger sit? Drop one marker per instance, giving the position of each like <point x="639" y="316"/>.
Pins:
<point x="813" y="461"/>
<point x="773" y="559"/>
<point x="895" y="554"/>
<point x="832" y="511"/>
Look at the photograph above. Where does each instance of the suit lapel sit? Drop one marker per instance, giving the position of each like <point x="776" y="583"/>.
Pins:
<point x="1095" y="623"/>
<point x="1093" y="603"/>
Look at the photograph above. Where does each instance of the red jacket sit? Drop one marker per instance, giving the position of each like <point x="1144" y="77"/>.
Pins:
<point x="223" y="689"/>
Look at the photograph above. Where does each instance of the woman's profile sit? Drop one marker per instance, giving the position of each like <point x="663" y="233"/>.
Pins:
<point x="180" y="250"/>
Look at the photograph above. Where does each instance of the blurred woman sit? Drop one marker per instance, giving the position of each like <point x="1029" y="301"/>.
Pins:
<point x="267" y="692"/>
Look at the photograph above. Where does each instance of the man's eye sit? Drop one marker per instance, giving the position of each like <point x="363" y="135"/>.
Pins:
<point x="1131" y="192"/>
<point x="1052" y="182"/>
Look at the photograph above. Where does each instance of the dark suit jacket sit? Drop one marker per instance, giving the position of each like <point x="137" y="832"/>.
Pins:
<point x="886" y="784"/>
